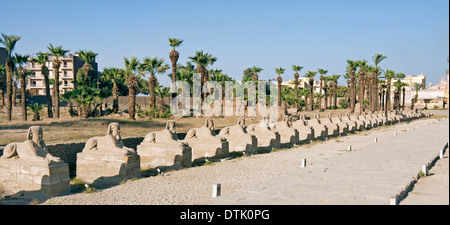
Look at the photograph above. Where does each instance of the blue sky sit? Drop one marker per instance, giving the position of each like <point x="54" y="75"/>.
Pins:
<point x="413" y="34"/>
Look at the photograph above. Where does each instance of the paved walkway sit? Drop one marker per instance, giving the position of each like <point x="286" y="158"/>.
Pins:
<point x="371" y="175"/>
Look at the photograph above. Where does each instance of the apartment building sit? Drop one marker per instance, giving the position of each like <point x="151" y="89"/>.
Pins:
<point x="68" y="69"/>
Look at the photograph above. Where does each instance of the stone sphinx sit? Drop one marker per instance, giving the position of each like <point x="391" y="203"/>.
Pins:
<point x="288" y="135"/>
<point x="238" y="138"/>
<point x="105" y="160"/>
<point x="205" y="144"/>
<point x="361" y="121"/>
<point x="333" y="129"/>
<point x="344" y="128"/>
<point x="305" y="132"/>
<point x="163" y="149"/>
<point x="28" y="166"/>
<point x="321" y="131"/>
<point x="267" y="138"/>
<point x="352" y="125"/>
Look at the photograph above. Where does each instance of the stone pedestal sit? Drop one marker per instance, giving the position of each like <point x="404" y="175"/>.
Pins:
<point x="107" y="167"/>
<point x="33" y="177"/>
<point x="174" y="155"/>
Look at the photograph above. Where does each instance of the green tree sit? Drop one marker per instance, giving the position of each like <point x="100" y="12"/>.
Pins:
<point x="2" y="85"/>
<point x="114" y="76"/>
<point x="296" y="69"/>
<point x="174" y="55"/>
<point x="377" y="60"/>
<point x="20" y="61"/>
<point x="417" y="87"/>
<point x="279" y="71"/>
<point x="131" y="73"/>
<point x="42" y="59"/>
<point x="36" y="109"/>
<point x="351" y="68"/>
<point x="9" y="41"/>
<point x="153" y="66"/>
<point x="389" y="75"/>
<point x="334" y="79"/>
<point x="310" y="75"/>
<point x="87" y="57"/>
<point x="322" y="73"/>
<point x="362" y="65"/>
<point x="57" y="53"/>
<point x="203" y="60"/>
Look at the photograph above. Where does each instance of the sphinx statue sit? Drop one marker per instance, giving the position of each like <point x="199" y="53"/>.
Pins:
<point x="205" y="143"/>
<point x="289" y="136"/>
<point x="112" y="141"/>
<point x="33" y="148"/>
<point x="267" y="138"/>
<point x="163" y="149"/>
<point x="238" y="138"/>
<point x="28" y="166"/>
<point x="105" y="160"/>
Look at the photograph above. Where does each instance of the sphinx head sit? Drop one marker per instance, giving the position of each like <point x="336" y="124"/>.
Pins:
<point x="114" y="130"/>
<point x="170" y="125"/>
<point x="36" y="134"/>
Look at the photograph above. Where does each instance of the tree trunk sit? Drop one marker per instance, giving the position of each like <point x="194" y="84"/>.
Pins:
<point x="361" y="91"/>
<point x="115" y="94"/>
<point x="23" y="96"/>
<point x="387" y="106"/>
<point x="44" y="72"/>
<point x="311" y="98"/>
<point x="279" y="80"/>
<point x="320" y="92"/>
<point x="152" y="84"/>
<point x="353" y="90"/>
<point x="14" y="93"/>
<point x="335" y="95"/>
<point x="174" y="55"/>
<point x="56" y="87"/>
<point x="296" y="76"/>
<point x="8" y="89"/>
<point x="325" y="92"/>
<point x="131" y="103"/>
<point x="403" y="96"/>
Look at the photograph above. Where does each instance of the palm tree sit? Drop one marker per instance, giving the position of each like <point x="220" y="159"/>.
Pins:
<point x="335" y="79"/>
<point x="153" y="66"/>
<point x="322" y="73"/>
<point x="87" y="57"/>
<point x="56" y="52"/>
<point x="417" y="87"/>
<point x="161" y="92"/>
<point x="9" y="41"/>
<point x="389" y="75"/>
<point x="362" y="64"/>
<point x="2" y="85"/>
<point x="296" y="76"/>
<point x="174" y="55"/>
<point x="399" y="88"/>
<point x="36" y="109"/>
<point x="68" y="96"/>
<point x="351" y="67"/>
<point x="377" y="60"/>
<point x="255" y="70"/>
<point x="42" y="58"/>
<point x="311" y="75"/>
<point x="203" y="60"/>
<point x="131" y="73"/>
<point x="279" y="71"/>
<point x="114" y="76"/>
<point x="20" y="60"/>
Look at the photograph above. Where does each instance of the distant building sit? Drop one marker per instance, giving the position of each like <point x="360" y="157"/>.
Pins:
<point x="303" y="82"/>
<point x="67" y="74"/>
<point x="441" y="86"/>
<point x="410" y="80"/>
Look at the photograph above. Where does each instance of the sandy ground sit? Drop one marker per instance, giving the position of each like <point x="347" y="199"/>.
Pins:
<point x="432" y="189"/>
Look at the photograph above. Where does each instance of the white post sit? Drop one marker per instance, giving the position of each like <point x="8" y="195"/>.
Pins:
<point x="441" y="154"/>
<point x="349" y="148"/>
<point x="395" y="133"/>
<point x="375" y="140"/>
<point x="303" y="162"/>
<point x="393" y="201"/>
<point x="216" y="190"/>
<point x="424" y="169"/>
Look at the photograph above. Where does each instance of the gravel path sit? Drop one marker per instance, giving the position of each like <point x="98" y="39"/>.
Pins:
<point x="194" y="185"/>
